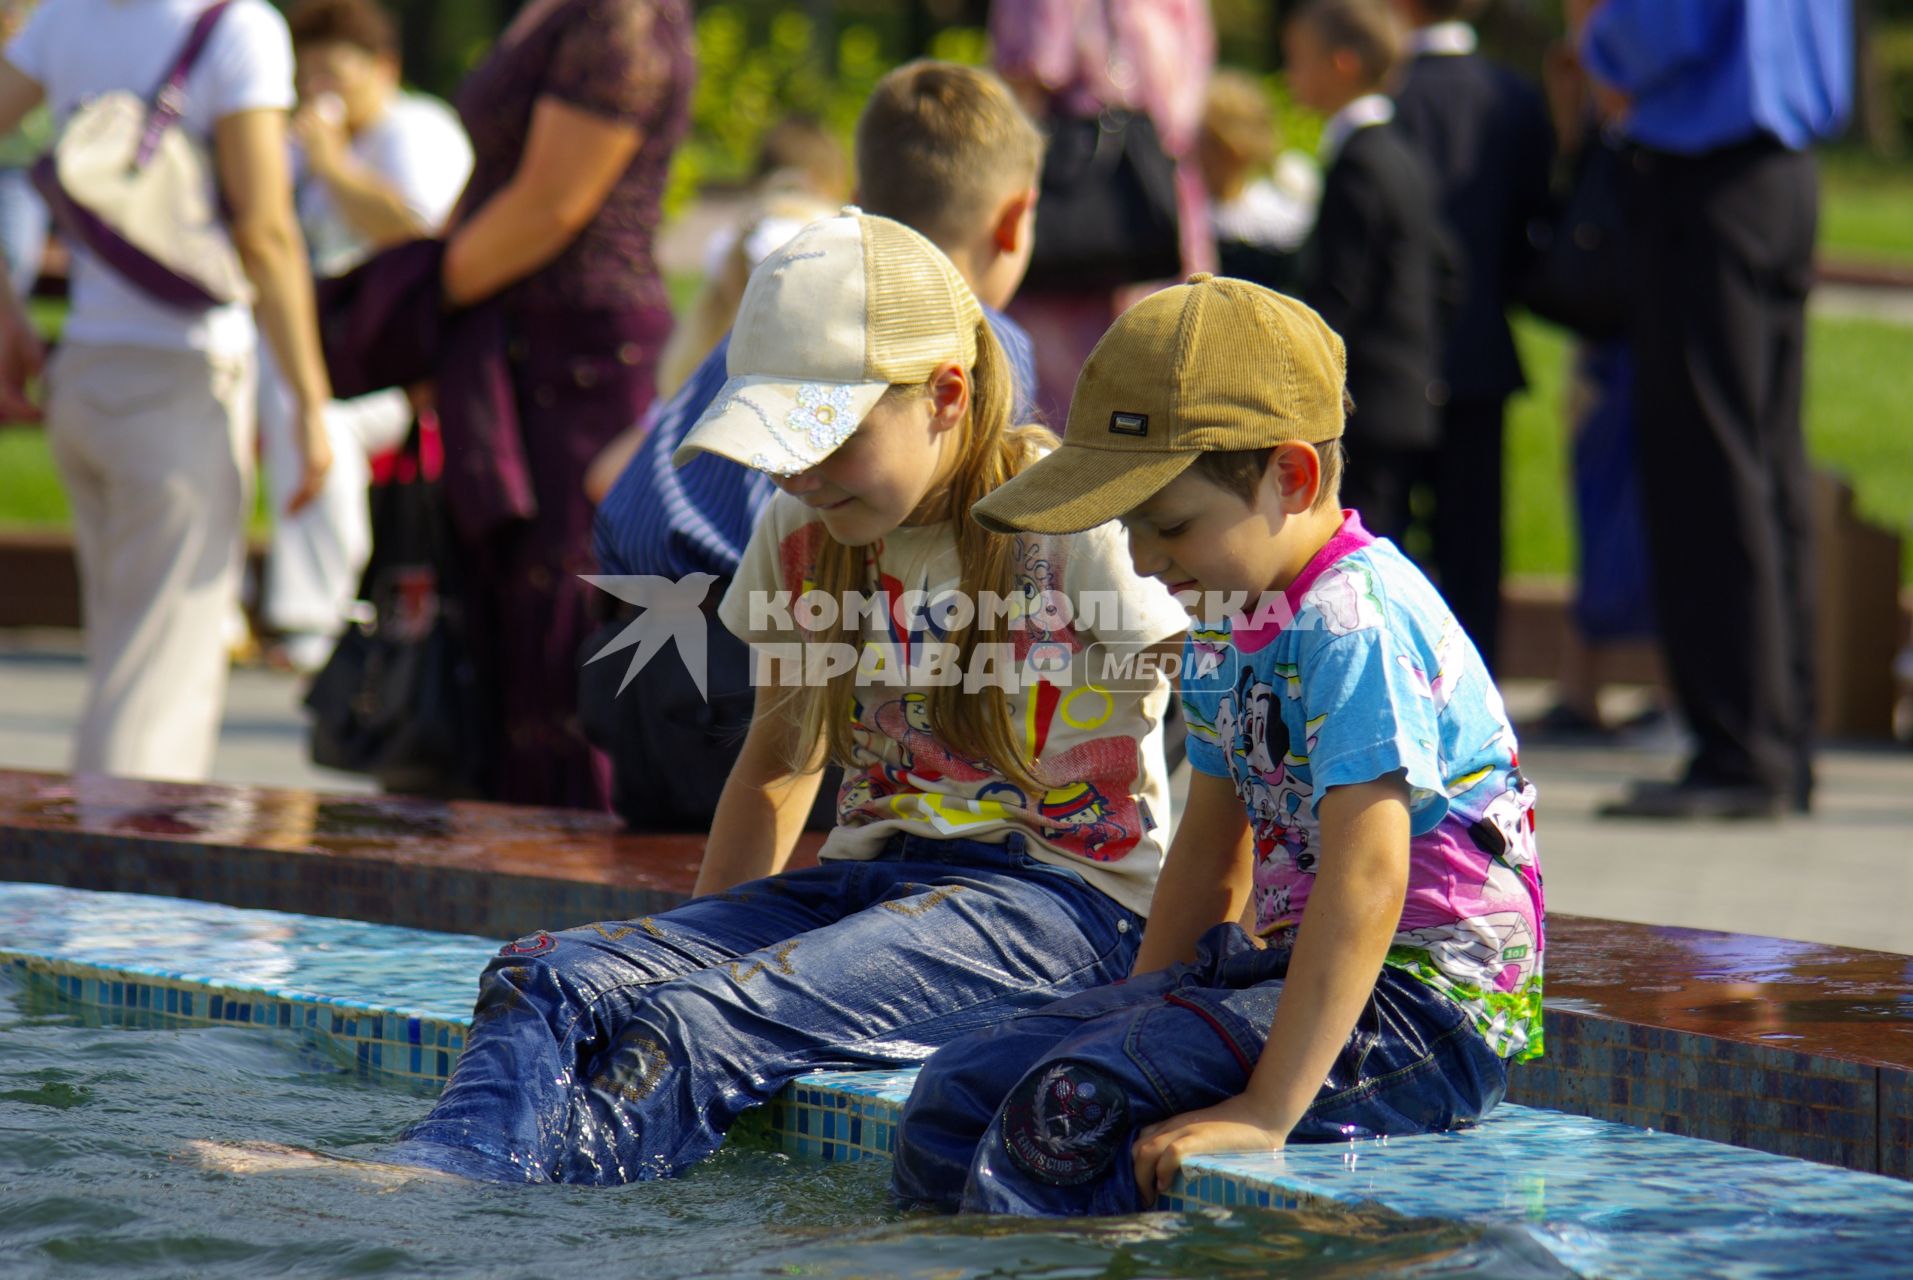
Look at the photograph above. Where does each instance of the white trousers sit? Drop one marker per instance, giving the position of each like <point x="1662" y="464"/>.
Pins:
<point x="155" y="449"/>
<point x="316" y="556"/>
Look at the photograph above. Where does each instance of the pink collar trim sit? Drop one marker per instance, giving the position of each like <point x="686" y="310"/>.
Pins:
<point x="1258" y="632"/>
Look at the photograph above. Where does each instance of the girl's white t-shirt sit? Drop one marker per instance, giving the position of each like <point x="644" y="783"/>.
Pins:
<point x="79" y="49"/>
<point x="1077" y="610"/>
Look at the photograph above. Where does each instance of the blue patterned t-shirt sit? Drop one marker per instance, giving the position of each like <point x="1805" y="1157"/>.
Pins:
<point x="1359" y="672"/>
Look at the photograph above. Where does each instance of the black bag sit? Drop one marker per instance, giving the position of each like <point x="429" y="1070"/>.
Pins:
<point x="1580" y="277"/>
<point x="399" y="699"/>
<point x="1106" y="214"/>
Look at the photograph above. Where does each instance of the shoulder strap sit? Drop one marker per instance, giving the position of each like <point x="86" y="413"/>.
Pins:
<point x="169" y="100"/>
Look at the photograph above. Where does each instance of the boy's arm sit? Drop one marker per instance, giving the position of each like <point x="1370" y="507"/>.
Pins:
<point x="764" y="805"/>
<point x="1205" y="878"/>
<point x="1352" y="914"/>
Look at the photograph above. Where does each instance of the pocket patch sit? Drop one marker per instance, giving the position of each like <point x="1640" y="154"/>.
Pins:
<point x="1064" y="1125"/>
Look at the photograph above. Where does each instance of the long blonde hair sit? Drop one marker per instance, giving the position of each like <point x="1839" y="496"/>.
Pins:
<point x="975" y="728"/>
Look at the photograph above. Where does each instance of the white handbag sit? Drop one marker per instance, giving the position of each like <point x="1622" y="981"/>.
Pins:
<point x="139" y="192"/>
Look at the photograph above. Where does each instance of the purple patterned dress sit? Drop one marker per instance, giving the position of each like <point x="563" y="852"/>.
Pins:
<point x="583" y="336"/>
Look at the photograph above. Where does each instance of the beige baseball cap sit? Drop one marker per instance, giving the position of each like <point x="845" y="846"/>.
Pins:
<point x="848" y="307"/>
<point x="1213" y="365"/>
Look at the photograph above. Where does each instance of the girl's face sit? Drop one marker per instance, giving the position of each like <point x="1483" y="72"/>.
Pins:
<point x="895" y="468"/>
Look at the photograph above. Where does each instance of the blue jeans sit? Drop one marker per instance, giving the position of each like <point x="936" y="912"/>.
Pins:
<point x="623" y="1051"/>
<point x="1036" y="1115"/>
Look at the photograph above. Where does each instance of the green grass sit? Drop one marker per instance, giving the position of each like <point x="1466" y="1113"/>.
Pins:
<point x="1536" y="518"/>
<point x="30" y="491"/>
<point x="1866" y="207"/>
<point x="1859" y="382"/>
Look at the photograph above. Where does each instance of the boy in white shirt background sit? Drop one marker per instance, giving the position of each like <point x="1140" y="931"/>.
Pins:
<point x="374" y="166"/>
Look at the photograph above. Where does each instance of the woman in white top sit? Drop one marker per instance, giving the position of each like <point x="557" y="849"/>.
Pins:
<point x="150" y="409"/>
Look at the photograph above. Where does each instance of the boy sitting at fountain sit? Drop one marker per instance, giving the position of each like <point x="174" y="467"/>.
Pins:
<point x="1355" y="773"/>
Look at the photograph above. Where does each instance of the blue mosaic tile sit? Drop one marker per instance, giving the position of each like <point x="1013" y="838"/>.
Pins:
<point x="1773" y="1100"/>
<point x="355" y="987"/>
<point x="1896" y="1123"/>
<point x="362" y="966"/>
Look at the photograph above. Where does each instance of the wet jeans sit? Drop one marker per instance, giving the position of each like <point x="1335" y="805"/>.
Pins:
<point x="623" y="1051"/>
<point x="1037" y="1114"/>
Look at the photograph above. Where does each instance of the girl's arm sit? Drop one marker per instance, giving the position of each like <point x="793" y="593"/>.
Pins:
<point x="250" y="147"/>
<point x="763" y="807"/>
<point x="1352" y="914"/>
<point x="1206" y="877"/>
<point x="572" y="159"/>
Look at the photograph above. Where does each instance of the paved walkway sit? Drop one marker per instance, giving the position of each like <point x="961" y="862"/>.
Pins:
<point x="1844" y="876"/>
<point x="262" y="742"/>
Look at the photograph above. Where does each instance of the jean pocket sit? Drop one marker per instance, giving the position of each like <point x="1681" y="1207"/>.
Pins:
<point x="1240" y="1019"/>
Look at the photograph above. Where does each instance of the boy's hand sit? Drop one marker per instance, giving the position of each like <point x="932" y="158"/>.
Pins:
<point x="1234" y="1125"/>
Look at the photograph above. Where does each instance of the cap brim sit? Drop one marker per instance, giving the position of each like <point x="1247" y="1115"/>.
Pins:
<point x="1075" y="488"/>
<point x="779" y="425"/>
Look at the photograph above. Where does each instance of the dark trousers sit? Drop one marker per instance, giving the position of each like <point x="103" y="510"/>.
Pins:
<point x="1377" y="483"/>
<point x="1724" y="247"/>
<point x="1465" y="471"/>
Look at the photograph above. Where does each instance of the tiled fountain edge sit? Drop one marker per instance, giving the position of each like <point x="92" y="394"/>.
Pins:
<point x="502" y="872"/>
<point x="1812" y="1106"/>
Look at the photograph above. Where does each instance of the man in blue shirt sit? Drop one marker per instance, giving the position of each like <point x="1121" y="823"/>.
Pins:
<point x="940" y="147"/>
<point x="1721" y="100"/>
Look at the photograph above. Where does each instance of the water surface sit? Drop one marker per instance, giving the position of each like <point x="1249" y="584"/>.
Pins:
<point x="95" y="1117"/>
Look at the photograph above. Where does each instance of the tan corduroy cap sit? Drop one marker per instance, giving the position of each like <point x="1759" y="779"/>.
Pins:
<point x="846" y="308"/>
<point x="1214" y="365"/>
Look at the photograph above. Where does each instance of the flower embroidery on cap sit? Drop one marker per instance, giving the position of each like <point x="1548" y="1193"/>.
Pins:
<point x="823" y="415"/>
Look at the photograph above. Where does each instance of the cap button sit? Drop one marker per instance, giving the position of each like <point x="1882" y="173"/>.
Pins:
<point x="1202" y="277"/>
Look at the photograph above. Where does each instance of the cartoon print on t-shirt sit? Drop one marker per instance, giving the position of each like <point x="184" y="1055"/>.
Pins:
<point x="1485" y="950"/>
<point x="1077" y="816"/>
<point x="1040" y="617"/>
<point x="861" y="793"/>
<point x="1108" y="768"/>
<point x="1347" y="600"/>
<point x="1439" y="687"/>
<point x="1505" y="830"/>
<point x="1274" y="782"/>
<point x="906" y="722"/>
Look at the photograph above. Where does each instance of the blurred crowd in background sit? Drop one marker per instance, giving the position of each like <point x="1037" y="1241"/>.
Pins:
<point x="1643" y="178"/>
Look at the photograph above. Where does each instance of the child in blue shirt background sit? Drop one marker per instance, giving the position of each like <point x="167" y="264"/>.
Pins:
<point x="1355" y="775"/>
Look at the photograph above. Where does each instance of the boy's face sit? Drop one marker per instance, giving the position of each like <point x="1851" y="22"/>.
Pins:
<point x="1319" y="79"/>
<point x="995" y="276"/>
<point x="1196" y="536"/>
